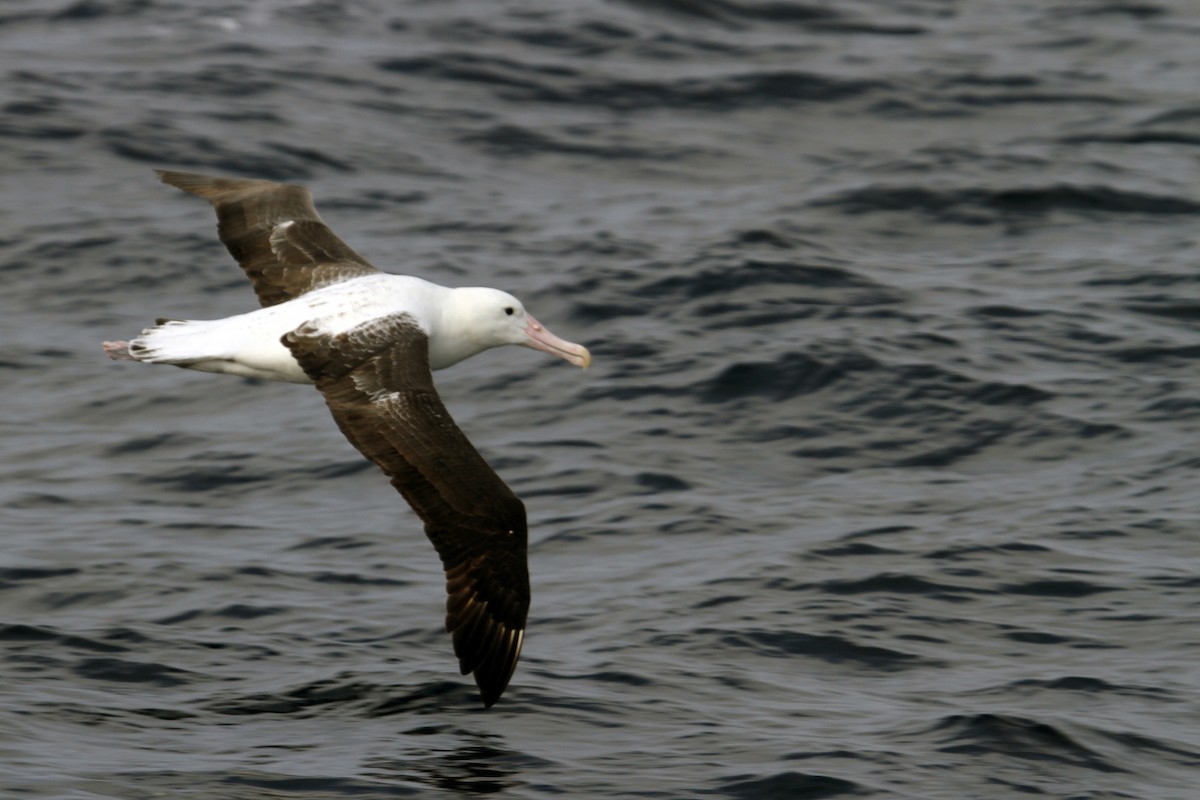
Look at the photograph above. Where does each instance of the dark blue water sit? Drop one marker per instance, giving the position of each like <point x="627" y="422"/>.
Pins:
<point x="882" y="484"/>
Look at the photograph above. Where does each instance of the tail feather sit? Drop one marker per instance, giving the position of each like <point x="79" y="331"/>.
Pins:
<point x="229" y="346"/>
<point x="170" y="341"/>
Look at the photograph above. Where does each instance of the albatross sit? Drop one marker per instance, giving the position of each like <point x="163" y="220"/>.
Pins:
<point x="369" y="341"/>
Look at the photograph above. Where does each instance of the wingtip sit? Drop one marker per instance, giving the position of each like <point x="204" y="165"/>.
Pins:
<point x="493" y="673"/>
<point x="165" y="175"/>
<point x="187" y="181"/>
<point x="489" y="692"/>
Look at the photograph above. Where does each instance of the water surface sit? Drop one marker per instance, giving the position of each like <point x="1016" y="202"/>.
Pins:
<point x="882" y="483"/>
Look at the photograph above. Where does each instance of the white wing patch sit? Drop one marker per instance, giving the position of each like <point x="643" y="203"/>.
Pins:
<point x="370" y="386"/>
<point x="279" y="234"/>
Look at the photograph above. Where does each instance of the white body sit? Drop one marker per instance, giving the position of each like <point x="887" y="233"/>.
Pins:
<point x="459" y="323"/>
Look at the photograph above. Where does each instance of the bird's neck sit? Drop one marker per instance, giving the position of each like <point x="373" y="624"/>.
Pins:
<point x="451" y="331"/>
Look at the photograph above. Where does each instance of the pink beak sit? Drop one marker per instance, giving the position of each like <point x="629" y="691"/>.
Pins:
<point x="544" y="340"/>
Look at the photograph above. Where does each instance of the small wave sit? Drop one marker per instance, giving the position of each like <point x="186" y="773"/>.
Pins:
<point x="833" y="649"/>
<point x="1159" y="354"/>
<point x="12" y="575"/>
<point x="514" y="140"/>
<point x="205" y="478"/>
<point x="47" y="637"/>
<point x="559" y="85"/>
<point x="739" y="15"/>
<point x="791" y="786"/>
<point x="337" y="693"/>
<point x="1092" y="686"/>
<point x="1019" y="737"/>
<point x="1066" y="587"/>
<point x="82" y="10"/>
<point x="894" y="583"/>
<point x="158" y="142"/>
<point x="790" y="375"/>
<point x="975" y="206"/>
<point x="142" y="444"/>
<point x="117" y="670"/>
<point x="724" y="280"/>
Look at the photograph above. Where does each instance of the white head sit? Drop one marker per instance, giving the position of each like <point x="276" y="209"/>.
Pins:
<point x="480" y="318"/>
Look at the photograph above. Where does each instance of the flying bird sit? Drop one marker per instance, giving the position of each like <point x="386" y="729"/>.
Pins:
<point x="369" y="340"/>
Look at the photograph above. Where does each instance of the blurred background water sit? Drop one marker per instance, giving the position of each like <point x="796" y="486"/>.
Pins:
<point x="882" y="484"/>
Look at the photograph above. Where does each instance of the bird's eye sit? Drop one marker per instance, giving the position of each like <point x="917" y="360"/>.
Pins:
<point x="509" y="310"/>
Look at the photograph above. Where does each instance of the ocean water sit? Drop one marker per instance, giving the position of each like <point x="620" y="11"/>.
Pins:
<point x="883" y="483"/>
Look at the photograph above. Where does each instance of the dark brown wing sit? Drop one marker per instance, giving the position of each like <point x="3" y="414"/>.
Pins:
<point x="275" y="233"/>
<point x="376" y="381"/>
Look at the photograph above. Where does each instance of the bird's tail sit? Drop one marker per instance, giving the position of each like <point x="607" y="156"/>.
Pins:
<point x="170" y="341"/>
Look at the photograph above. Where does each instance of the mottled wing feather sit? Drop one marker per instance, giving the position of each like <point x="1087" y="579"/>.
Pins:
<point x="377" y="382"/>
<point x="275" y="234"/>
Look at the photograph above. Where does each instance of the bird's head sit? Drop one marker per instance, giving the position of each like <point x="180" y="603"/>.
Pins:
<point x="497" y="318"/>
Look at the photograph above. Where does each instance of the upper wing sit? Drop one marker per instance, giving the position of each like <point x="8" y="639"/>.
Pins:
<point x="274" y="232"/>
<point x="376" y="381"/>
